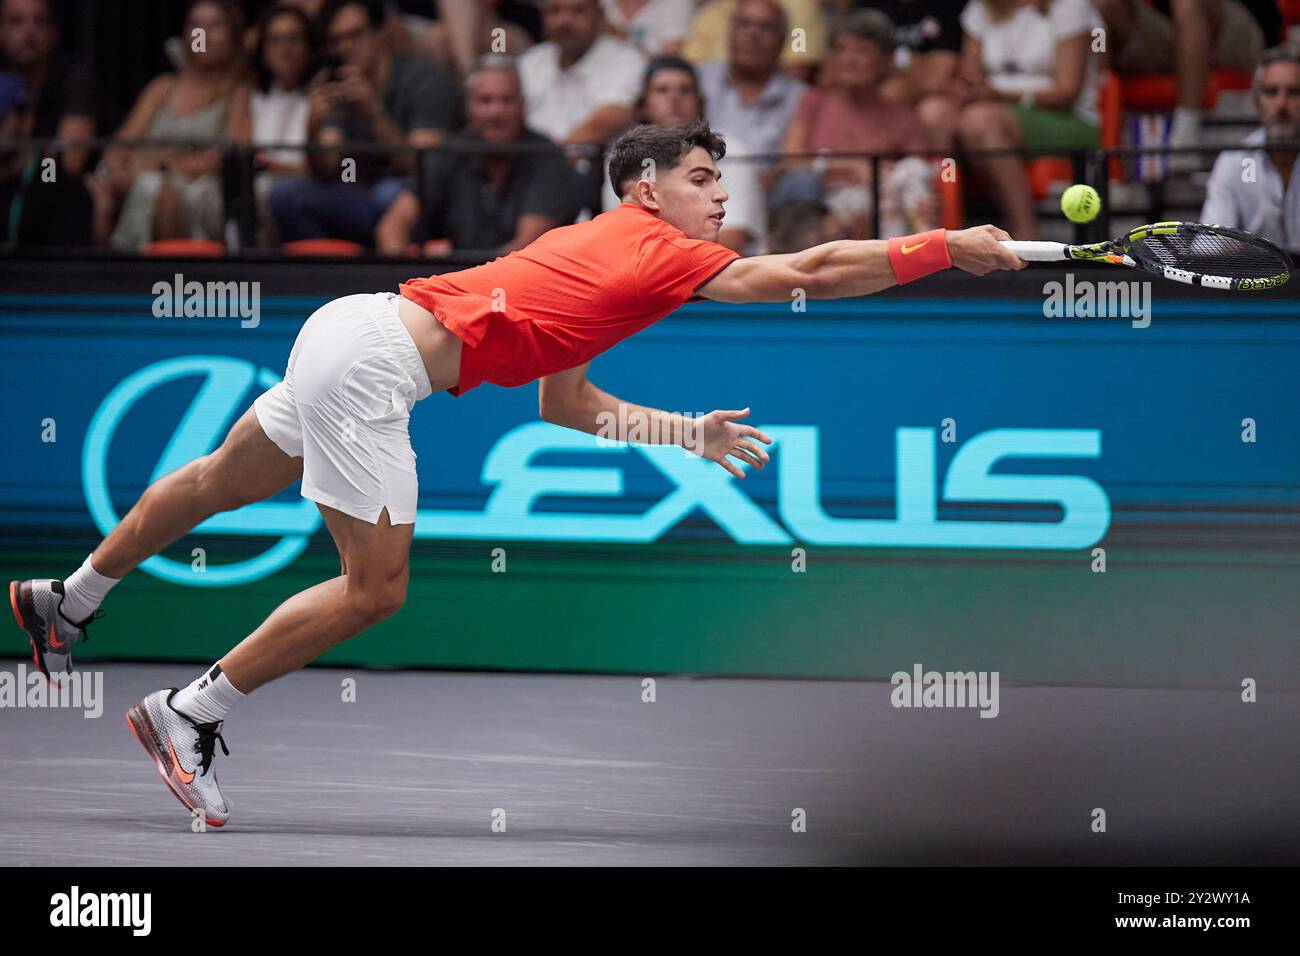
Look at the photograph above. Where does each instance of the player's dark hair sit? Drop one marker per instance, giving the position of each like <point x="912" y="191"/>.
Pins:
<point x="665" y="145"/>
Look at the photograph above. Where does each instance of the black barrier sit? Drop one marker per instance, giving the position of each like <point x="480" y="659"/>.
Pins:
<point x="33" y="273"/>
<point x="239" y="170"/>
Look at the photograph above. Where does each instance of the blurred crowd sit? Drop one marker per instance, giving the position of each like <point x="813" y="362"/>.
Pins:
<point x="422" y="127"/>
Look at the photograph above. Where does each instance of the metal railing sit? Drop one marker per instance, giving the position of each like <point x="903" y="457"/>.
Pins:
<point x="239" y="169"/>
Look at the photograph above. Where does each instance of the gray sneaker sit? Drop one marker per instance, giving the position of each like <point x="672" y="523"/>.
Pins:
<point x="182" y="750"/>
<point x="36" y="606"/>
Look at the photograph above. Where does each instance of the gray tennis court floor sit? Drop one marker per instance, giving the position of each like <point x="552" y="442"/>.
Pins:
<point x="582" y="771"/>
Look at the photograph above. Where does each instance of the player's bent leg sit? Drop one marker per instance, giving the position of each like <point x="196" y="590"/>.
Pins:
<point x="377" y="557"/>
<point x="342" y="409"/>
<point x="181" y="728"/>
<point x="248" y="467"/>
<point x="376" y="560"/>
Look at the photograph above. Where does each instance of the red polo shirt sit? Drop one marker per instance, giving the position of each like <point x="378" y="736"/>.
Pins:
<point x="568" y="296"/>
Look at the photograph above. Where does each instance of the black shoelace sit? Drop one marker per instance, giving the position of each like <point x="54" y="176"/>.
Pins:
<point x="83" y="625"/>
<point x="209" y="734"/>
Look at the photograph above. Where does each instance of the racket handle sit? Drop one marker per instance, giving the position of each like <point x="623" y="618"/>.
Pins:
<point x="1032" y="251"/>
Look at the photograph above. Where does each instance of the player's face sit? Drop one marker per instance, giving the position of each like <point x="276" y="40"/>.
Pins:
<point x="1277" y="98"/>
<point x="690" y="196"/>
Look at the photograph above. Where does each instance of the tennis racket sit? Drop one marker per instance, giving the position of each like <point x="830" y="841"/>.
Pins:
<point x="1215" y="257"/>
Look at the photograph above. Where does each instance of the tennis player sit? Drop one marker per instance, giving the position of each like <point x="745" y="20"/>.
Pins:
<point x="339" y="419"/>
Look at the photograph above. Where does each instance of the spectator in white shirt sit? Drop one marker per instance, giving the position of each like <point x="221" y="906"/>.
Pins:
<point x="1028" y="79"/>
<point x="284" y="61"/>
<point x="656" y="27"/>
<point x="580" y="84"/>
<point x="671" y="96"/>
<point x="1255" y="189"/>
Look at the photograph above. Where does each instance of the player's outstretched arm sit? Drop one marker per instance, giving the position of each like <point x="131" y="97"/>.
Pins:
<point x="569" y="399"/>
<point x="850" y="267"/>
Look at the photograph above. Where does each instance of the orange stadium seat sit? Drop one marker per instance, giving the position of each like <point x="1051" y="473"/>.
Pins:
<point x="1158" y="92"/>
<point x="322" y="247"/>
<point x="1110" y="103"/>
<point x="1046" y="170"/>
<point x="183" y="247"/>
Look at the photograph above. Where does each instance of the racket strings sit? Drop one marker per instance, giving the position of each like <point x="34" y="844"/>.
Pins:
<point x="1211" y="253"/>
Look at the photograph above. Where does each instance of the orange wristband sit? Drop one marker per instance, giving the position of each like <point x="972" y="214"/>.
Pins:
<point x="915" y="257"/>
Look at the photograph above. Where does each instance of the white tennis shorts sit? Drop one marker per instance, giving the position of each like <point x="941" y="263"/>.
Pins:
<point x="344" y="408"/>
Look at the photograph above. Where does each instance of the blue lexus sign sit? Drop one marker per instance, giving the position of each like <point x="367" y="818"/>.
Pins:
<point x="1060" y="431"/>
<point x="517" y="483"/>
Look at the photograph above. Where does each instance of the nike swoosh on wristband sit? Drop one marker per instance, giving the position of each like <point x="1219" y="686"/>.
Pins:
<point x="180" y="771"/>
<point x="906" y="249"/>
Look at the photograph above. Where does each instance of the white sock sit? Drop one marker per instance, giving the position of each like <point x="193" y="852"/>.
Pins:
<point x="84" y="592"/>
<point x="1186" y="127"/>
<point x="209" y="698"/>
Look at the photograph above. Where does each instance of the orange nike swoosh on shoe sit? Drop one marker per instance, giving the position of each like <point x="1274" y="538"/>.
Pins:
<point x="909" y="249"/>
<point x="180" y="771"/>
<point x="55" y="645"/>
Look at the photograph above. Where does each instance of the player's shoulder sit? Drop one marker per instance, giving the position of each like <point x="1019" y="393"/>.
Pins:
<point x="628" y="237"/>
<point x="606" y="236"/>
<point x="642" y="226"/>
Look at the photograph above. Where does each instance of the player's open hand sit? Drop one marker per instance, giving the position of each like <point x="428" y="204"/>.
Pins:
<point x="979" y="250"/>
<point x="718" y="435"/>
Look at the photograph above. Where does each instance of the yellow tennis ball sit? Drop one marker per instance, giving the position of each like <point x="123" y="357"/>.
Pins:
<point x="1080" y="203"/>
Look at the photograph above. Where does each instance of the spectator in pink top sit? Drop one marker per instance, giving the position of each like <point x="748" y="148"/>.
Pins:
<point x="847" y="115"/>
